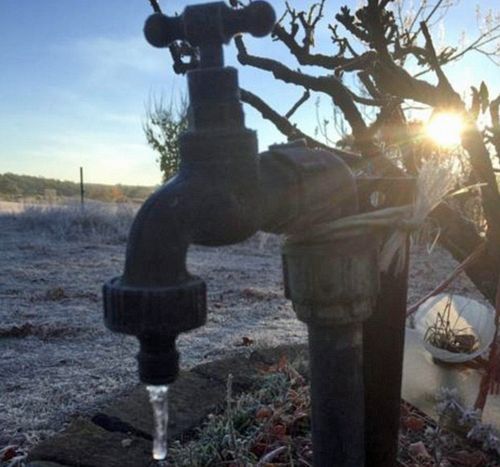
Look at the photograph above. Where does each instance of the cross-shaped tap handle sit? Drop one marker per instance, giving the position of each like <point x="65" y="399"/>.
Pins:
<point x="210" y="24"/>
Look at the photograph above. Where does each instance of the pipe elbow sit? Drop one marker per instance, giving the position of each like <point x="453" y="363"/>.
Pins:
<point x="156" y="298"/>
<point x="302" y="187"/>
<point x="159" y="239"/>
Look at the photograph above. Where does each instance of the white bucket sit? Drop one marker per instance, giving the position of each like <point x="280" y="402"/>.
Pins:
<point x="464" y="313"/>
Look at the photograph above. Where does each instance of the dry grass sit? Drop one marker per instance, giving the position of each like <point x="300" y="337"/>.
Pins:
<point x="271" y="426"/>
<point x="96" y="222"/>
<point x="64" y="361"/>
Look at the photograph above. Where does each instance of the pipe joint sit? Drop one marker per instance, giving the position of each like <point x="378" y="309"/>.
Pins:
<point x="156" y="315"/>
<point x="301" y="187"/>
<point x="334" y="283"/>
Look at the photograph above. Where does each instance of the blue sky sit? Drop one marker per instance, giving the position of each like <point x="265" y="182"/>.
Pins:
<point x="76" y="75"/>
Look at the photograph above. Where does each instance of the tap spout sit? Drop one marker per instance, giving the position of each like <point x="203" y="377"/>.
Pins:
<point x="211" y="201"/>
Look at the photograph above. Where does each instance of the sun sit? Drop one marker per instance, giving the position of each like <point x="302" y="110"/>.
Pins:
<point x="445" y="129"/>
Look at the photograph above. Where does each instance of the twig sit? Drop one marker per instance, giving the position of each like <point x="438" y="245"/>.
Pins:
<point x="155" y="5"/>
<point x="229" y="411"/>
<point x="472" y="258"/>
<point x="329" y="85"/>
<point x="434" y="61"/>
<point x="279" y="121"/>
<point x="294" y="108"/>
<point x="179" y="49"/>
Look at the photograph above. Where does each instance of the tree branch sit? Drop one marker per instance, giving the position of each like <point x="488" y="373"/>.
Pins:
<point x="280" y="122"/>
<point x="493" y="133"/>
<point x="179" y="50"/>
<point x="155" y="5"/>
<point x="303" y="56"/>
<point x="301" y="101"/>
<point x="291" y="131"/>
<point x="329" y="85"/>
<point x="433" y="60"/>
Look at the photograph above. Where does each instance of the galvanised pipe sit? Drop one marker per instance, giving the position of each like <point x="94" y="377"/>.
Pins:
<point x="333" y="287"/>
<point x="337" y="394"/>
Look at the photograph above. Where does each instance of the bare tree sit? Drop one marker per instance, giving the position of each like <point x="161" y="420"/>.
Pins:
<point x="392" y="56"/>
<point x="379" y="43"/>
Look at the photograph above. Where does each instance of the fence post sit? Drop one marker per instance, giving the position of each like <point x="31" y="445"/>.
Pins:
<point x="82" y="191"/>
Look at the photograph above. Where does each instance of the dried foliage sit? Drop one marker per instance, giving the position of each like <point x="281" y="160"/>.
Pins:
<point x="445" y="335"/>
<point x="271" y="427"/>
<point x="267" y="427"/>
<point x="100" y="223"/>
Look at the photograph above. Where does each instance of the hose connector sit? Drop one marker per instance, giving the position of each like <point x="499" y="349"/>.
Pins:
<point x="156" y="316"/>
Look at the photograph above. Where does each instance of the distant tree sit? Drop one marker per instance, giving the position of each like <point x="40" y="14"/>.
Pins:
<point x="162" y="127"/>
<point x="9" y="185"/>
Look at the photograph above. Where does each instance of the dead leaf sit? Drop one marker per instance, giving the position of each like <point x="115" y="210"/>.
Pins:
<point x="8" y="453"/>
<point x="263" y="412"/>
<point x="279" y="430"/>
<point x="413" y="423"/>
<point x="245" y="342"/>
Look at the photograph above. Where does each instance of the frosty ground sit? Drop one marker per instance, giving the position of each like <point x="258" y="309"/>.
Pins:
<point x="58" y="359"/>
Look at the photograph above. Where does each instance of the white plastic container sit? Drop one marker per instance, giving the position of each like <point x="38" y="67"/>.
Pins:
<point x="464" y="313"/>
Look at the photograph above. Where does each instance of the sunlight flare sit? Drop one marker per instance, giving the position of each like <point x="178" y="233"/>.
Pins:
<point x="445" y="129"/>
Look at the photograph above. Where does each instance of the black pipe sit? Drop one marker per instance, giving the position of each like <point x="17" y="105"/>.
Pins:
<point x="337" y="395"/>
<point x="333" y="286"/>
<point x="384" y="334"/>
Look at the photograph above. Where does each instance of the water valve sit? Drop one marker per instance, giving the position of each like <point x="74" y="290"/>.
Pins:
<point x="208" y="26"/>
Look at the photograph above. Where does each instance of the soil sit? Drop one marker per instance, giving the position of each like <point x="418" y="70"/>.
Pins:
<point x="58" y="359"/>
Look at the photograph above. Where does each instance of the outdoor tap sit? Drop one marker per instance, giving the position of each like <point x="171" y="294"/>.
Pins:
<point x="211" y="201"/>
<point x="224" y="193"/>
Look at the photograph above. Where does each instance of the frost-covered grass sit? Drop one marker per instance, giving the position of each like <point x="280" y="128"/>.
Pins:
<point x="269" y="426"/>
<point x="96" y="222"/>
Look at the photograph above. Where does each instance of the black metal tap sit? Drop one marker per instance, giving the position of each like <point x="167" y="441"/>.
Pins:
<point x="225" y="192"/>
<point x="211" y="201"/>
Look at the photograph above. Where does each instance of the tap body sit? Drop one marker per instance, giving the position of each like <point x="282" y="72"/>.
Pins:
<point x="223" y="193"/>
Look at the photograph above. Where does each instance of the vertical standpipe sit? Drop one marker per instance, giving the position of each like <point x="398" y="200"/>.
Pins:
<point x="333" y="286"/>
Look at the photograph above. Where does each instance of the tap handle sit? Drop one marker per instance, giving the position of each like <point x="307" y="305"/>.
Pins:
<point x="210" y="24"/>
